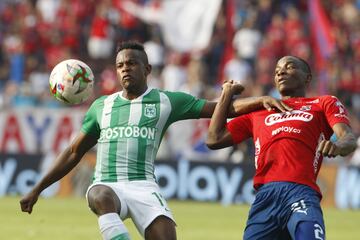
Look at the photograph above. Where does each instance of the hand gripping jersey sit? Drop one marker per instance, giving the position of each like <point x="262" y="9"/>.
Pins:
<point x="129" y="132"/>
<point x="286" y="143"/>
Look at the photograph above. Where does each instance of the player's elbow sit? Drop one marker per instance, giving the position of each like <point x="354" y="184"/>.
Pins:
<point x="212" y="146"/>
<point x="212" y="142"/>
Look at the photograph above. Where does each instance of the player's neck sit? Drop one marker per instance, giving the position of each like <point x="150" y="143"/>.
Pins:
<point x="132" y="94"/>
<point x="292" y="96"/>
<point x="295" y="94"/>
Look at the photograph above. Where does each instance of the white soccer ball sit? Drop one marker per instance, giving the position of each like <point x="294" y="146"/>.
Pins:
<point x="71" y="81"/>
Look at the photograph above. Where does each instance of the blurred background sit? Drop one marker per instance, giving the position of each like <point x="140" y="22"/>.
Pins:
<point x="193" y="46"/>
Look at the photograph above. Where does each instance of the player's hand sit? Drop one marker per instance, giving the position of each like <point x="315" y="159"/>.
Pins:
<point x="271" y="103"/>
<point x="328" y="149"/>
<point x="28" y="202"/>
<point x="234" y="87"/>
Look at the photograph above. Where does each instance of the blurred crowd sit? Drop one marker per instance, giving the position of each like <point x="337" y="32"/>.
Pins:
<point x="37" y="34"/>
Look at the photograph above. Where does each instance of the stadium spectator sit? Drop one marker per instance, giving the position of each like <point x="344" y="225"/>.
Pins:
<point x="63" y="29"/>
<point x="174" y="73"/>
<point x="100" y="43"/>
<point x="246" y="40"/>
<point x="239" y="69"/>
<point x="289" y="147"/>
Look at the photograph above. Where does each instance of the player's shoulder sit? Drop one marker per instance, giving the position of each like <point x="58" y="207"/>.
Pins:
<point x="176" y="94"/>
<point x="321" y="99"/>
<point x="101" y="98"/>
<point x="156" y="92"/>
<point x="328" y="98"/>
<point x="100" y="101"/>
<point x="167" y="92"/>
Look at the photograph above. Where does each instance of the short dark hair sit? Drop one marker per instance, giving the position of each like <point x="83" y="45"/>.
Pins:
<point x="305" y="64"/>
<point x="132" y="45"/>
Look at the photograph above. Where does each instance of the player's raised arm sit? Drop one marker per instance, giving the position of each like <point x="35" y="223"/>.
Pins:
<point x="64" y="163"/>
<point x="218" y="136"/>
<point x="344" y="145"/>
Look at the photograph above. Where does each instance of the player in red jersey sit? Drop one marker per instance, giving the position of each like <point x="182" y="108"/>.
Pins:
<point x="289" y="148"/>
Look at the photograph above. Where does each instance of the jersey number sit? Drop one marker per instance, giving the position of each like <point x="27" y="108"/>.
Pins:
<point x="319" y="232"/>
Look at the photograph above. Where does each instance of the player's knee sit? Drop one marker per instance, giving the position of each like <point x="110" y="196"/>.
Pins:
<point x="162" y="228"/>
<point x="102" y="200"/>
<point x="309" y="231"/>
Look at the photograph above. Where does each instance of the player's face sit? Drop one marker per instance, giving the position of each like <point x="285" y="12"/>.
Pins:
<point x="290" y="77"/>
<point x="132" y="70"/>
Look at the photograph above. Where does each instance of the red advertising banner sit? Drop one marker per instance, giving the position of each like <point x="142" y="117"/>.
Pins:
<point x="34" y="130"/>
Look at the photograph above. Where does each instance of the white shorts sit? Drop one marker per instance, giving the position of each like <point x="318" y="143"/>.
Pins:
<point x="140" y="200"/>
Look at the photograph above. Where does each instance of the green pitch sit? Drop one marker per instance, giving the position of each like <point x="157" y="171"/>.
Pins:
<point x="70" y="219"/>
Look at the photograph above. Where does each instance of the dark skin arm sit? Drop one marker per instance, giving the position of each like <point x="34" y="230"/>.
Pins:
<point x="64" y="163"/>
<point x="241" y="106"/>
<point x="345" y="144"/>
<point x="218" y="136"/>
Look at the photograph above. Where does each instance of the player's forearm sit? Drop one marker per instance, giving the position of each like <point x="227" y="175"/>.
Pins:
<point x="64" y="163"/>
<point x="218" y="120"/>
<point x="245" y="105"/>
<point x="346" y="144"/>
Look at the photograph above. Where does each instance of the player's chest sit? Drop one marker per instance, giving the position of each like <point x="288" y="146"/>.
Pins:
<point x="135" y="113"/>
<point x="303" y="119"/>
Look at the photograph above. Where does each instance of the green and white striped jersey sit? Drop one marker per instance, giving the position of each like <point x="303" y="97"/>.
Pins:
<point x="129" y="132"/>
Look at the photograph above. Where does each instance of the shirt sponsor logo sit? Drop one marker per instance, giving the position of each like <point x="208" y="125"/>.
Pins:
<point x="288" y="116"/>
<point x="127" y="132"/>
<point x="285" y="129"/>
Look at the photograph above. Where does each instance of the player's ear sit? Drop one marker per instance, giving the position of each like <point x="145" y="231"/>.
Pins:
<point x="308" y="78"/>
<point x="148" y="69"/>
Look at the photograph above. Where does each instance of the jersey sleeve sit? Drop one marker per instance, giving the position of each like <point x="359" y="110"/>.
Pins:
<point x="334" y="110"/>
<point x="240" y="128"/>
<point x="90" y="124"/>
<point x="184" y="106"/>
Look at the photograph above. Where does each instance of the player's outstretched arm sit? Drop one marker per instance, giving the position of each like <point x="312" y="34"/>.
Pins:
<point x="344" y="145"/>
<point x="218" y="135"/>
<point x="64" y="163"/>
<point x="241" y="106"/>
<point x="247" y="105"/>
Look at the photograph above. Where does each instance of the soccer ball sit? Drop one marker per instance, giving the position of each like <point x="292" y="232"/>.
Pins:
<point x="71" y="81"/>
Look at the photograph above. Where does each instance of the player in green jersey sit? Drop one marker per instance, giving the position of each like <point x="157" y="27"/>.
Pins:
<point x="127" y="127"/>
